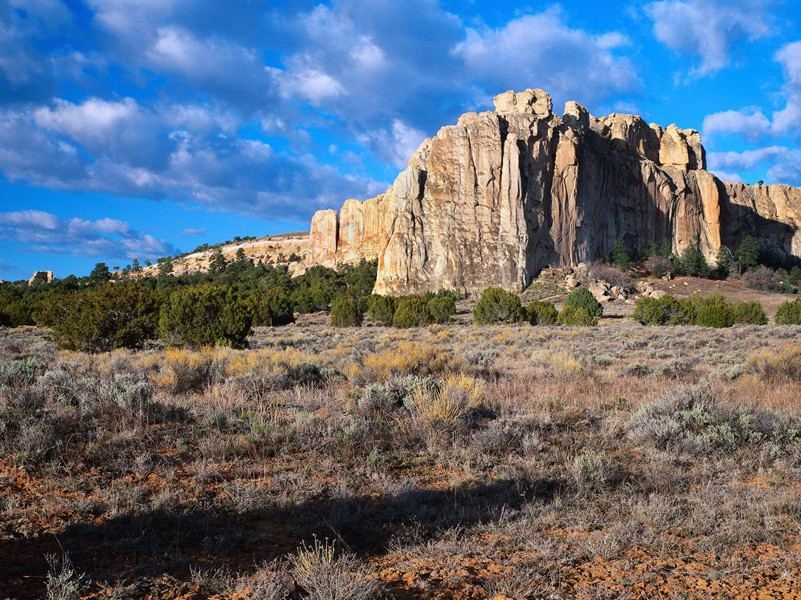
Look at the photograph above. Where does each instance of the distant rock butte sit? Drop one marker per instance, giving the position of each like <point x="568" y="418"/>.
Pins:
<point x="502" y="194"/>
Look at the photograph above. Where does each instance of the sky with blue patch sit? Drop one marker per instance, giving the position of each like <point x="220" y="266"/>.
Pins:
<point x="143" y="128"/>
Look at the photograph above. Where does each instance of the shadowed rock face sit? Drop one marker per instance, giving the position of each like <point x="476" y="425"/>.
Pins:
<point x="501" y="195"/>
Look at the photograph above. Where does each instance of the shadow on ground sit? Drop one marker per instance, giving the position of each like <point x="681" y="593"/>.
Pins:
<point x="150" y="543"/>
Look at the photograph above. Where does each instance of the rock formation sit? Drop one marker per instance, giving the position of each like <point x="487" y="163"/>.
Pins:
<point x="499" y="196"/>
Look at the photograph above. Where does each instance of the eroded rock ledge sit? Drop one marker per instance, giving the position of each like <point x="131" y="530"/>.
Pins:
<point x="502" y="194"/>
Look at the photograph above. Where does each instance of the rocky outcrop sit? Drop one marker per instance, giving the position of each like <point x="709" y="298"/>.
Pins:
<point x="500" y="195"/>
<point x="41" y="277"/>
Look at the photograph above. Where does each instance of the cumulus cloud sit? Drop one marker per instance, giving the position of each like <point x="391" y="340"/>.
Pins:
<point x="396" y="144"/>
<point x="708" y="29"/>
<point x="752" y="126"/>
<point x="783" y="164"/>
<point x="788" y="120"/>
<point x="543" y="51"/>
<point x="128" y="149"/>
<point x="40" y="231"/>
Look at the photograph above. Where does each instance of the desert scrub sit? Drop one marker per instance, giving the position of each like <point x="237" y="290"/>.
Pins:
<point x="541" y="312"/>
<point x="444" y="409"/>
<point x="498" y="306"/>
<point x="408" y="358"/>
<point x="689" y="419"/>
<point x="783" y="365"/>
<point x="323" y="573"/>
<point x="789" y="313"/>
<point x="187" y="371"/>
<point x="345" y="312"/>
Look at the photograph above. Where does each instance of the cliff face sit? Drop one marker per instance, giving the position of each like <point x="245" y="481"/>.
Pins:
<point x="501" y="195"/>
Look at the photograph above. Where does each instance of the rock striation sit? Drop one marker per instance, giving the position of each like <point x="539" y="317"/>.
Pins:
<point x="503" y="194"/>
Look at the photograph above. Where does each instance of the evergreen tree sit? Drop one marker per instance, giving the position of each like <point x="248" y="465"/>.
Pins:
<point x="620" y="255"/>
<point x="693" y="262"/>
<point x="165" y="266"/>
<point x="748" y="253"/>
<point x="217" y="262"/>
<point x="100" y="274"/>
<point x="135" y="266"/>
<point x="723" y="262"/>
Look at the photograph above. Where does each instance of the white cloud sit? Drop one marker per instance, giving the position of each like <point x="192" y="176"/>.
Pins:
<point x="543" y="51"/>
<point x="40" y="231"/>
<point x="748" y="159"/>
<point x="708" y="29"/>
<point x="782" y="164"/>
<point x="788" y="120"/>
<point x="728" y="176"/>
<point x="752" y="126"/>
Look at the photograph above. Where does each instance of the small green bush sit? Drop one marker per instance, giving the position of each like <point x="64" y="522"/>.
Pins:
<point x="411" y="311"/>
<point x="583" y="298"/>
<point x="103" y="318"/>
<point x="205" y="316"/>
<point x="345" y="312"/>
<point x="789" y="313"/>
<point x="541" y="312"/>
<point x="714" y="313"/>
<point x="15" y="312"/>
<point x="381" y="309"/>
<point x="660" y="311"/>
<point x="441" y="308"/>
<point x="576" y="315"/>
<point x="272" y="308"/>
<point x="498" y="306"/>
<point x="749" y="313"/>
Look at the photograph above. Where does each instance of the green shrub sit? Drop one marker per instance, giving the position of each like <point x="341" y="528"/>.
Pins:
<point x="749" y="313"/>
<point x="103" y="318"/>
<point x="576" y="315"/>
<point x="411" y="311"/>
<point x="714" y="312"/>
<point x="205" y="316"/>
<point x="15" y="312"/>
<point x="381" y="309"/>
<point x="583" y="298"/>
<point x="541" y="312"/>
<point x="789" y="313"/>
<point x="660" y="311"/>
<point x="345" y="312"/>
<point x="498" y="306"/>
<point x="441" y="308"/>
<point x="271" y="308"/>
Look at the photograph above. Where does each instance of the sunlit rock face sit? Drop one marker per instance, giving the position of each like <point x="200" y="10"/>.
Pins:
<point x="500" y="195"/>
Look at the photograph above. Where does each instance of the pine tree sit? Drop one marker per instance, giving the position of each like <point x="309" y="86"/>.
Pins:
<point x="620" y="255"/>
<point x="748" y="253"/>
<point x="100" y="274"/>
<point x="723" y="262"/>
<point x="217" y="262"/>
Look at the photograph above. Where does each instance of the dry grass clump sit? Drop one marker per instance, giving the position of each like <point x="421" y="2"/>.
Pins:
<point x="325" y="574"/>
<point x="782" y="365"/>
<point x="407" y="358"/>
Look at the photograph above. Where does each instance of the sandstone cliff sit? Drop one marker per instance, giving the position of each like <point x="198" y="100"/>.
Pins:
<point x="501" y="195"/>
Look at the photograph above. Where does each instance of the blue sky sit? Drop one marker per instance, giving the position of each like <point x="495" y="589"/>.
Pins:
<point x="140" y="128"/>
